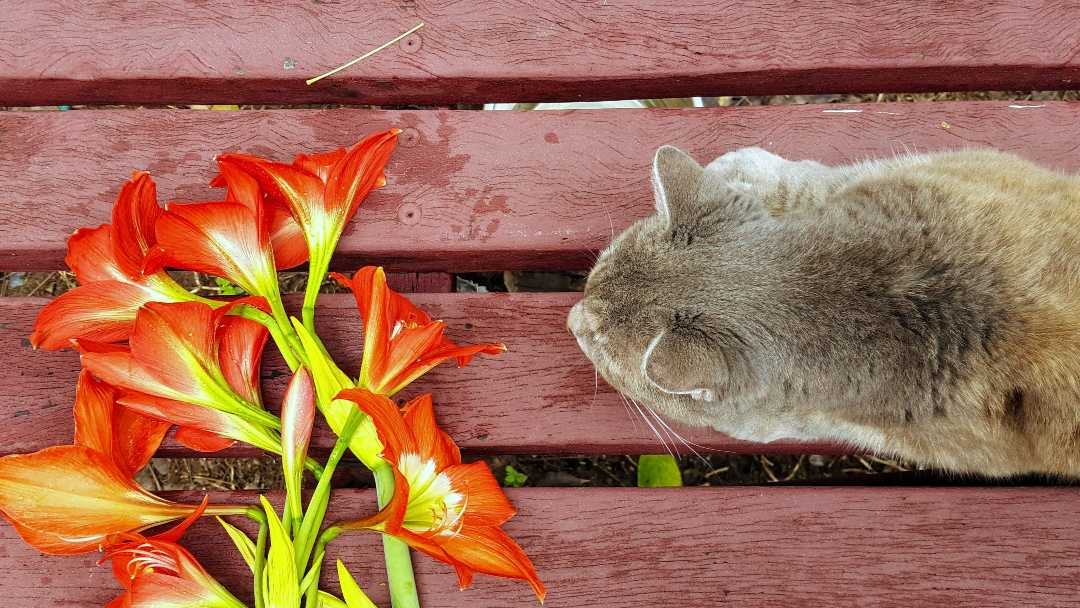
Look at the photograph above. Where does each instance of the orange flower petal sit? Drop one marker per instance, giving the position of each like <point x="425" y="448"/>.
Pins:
<point x="202" y="441"/>
<point x="221" y="239"/>
<point x="319" y="164"/>
<point x="90" y="256"/>
<point x="389" y="519"/>
<point x="197" y="422"/>
<point x="69" y="499"/>
<point x="489" y="550"/>
<point x="103" y="311"/>
<point x="300" y="190"/>
<point x="158" y="573"/>
<point x="486" y="503"/>
<point x="174" y="344"/>
<point x="401" y="342"/>
<point x="358" y="172"/>
<point x="133" y="218"/>
<point x="126" y="436"/>
<point x="115" y="365"/>
<point x="393" y="433"/>
<point x="430" y="440"/>
<point x="409" y="346"/>
<point x="286" y="237"/>
<point x="432" y="358"/>
<point x="241" y="343"/>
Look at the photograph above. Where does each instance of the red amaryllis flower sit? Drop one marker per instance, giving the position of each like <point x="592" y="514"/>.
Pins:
<point x="192" y="366"/>
<point x="446" y="509"/>
<point x="401" y="342"/>
<point x="322" y="191"/>
<point x="108" y="264"/>
<point x="69" y="499"/>
<point x="157" y="572"/>
<point x="103" y="425"/>
<point x="221" y="239"/>
<point x="275" y="219"/>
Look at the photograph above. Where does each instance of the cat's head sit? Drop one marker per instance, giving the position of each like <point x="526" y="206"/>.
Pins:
<point x="672" y="312"/>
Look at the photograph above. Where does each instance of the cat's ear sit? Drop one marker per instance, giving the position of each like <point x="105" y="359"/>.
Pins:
<point x="678" y="365"/>
<point x="676" y="177"/>
<point x="694" y="201"/>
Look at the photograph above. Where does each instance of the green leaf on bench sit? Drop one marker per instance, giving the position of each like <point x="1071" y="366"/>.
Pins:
<point x="514" y="478"/>
<point x="658" y="471"/>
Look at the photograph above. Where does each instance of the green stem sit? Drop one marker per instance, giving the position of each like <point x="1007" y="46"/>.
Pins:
<point x="288" y="334"/>
<point x="316" y="272"/>
<point x="320" y="498"/>
<point x="328" y="535"/>
<point x="399" y="568"/>
<point x="316" y="469"/>
<point x="220" y="510"/>
<point x="281" y="331"/>
<point x="260" y="562"/>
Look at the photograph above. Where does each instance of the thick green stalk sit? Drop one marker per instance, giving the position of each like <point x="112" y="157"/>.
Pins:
<point x="292" y="350"/>
<point x="320" y="498"/>
<point x="399" y="568"/>
<point x="317" y="269"/>
<point x="281" y="330"/>
<point x="312" y="599"/>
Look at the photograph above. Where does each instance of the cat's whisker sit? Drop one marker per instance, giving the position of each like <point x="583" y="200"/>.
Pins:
<point x="653" y="427"/>
<point x="673" y="433"/>
<point x="629" y="414"/>
<point x="673" y="437"/>
<point x="596" y="384"/>
<point x="662" y="428"/>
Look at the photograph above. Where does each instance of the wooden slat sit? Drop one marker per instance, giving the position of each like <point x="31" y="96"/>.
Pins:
<point x="421" y="282"/>
<point x="540" y="397"/>
<point x="745" y="547"/>
<point x="497" y="50"/>
<point x="468" y="190"/>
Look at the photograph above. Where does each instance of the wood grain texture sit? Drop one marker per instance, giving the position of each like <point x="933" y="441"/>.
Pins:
<point x="468" y="190"/>
<point x="259" y="51"/>
<point x="421" y="282"/>
<point x="539" y="397"/>
<point x="699" y="547"/>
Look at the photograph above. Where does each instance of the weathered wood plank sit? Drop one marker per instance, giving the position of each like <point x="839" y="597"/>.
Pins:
<point x="259" y="51"/>
<point x="539" y="397"/>
<point x="468" y="190"/>
<point x="421" y="282"/>
<point x="745" y="547"/>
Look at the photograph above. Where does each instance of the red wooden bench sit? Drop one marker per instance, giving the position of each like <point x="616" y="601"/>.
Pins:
<point x="474" y="190"/>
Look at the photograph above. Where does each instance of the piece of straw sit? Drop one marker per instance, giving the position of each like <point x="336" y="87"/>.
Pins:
<point x="312" y="81"/>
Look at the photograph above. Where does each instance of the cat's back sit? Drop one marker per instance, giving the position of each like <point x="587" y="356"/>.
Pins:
<point x="1011" y="229"/>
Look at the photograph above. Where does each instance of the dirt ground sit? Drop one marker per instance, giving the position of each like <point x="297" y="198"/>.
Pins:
<point x="615" y="470"/>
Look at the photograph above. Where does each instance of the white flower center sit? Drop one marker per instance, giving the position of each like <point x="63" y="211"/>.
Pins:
<point x="434" y="506"/>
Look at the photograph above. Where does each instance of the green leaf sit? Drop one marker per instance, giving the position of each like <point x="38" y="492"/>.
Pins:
<point x="282" y="584"/>
<point x="242" y="542"/>
<point x="226" y="288"/>
<point x="354" y="596"/>
<point x="658" y="471"/>
<point x="514" y="478"/>
<point x="316" y="568"/>
<point x="328" y="601"/>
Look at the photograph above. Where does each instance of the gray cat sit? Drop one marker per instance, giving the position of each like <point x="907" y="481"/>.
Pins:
<point x="926" y="306"/>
